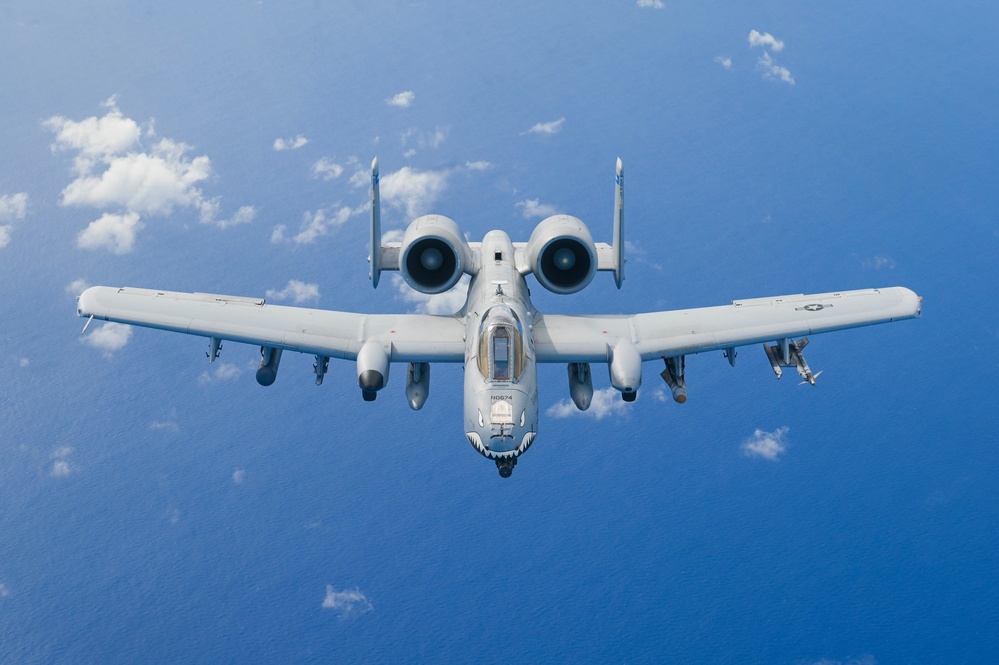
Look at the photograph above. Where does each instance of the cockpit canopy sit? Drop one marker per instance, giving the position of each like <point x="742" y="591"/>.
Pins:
<point x="501" y="345"/>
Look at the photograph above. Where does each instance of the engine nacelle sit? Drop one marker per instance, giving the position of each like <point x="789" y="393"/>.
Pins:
<point x="562" y="254"/>
<point x="434" y="254"/>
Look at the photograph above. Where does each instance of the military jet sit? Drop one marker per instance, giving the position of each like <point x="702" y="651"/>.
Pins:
<point x="499" y="335"/>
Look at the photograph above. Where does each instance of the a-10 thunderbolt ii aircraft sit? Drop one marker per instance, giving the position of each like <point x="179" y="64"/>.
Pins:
<point x="499" y="335"/>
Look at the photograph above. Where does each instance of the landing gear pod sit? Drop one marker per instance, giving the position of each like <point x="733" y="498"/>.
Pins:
<point x="372" y="370"/>
<point x="625" y="368"/>
<point x="270" y="358"/>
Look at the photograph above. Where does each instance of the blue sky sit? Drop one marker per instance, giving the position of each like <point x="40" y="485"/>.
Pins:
<point x="156" y="508"/>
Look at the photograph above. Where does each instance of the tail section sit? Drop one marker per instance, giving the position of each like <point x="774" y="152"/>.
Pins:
<point x="618" y="243"/>
<point x="376" y="228"/>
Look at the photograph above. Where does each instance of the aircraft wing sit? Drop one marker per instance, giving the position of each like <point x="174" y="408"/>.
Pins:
<point x="685" y="331"/>
<point x="406" y="337"/>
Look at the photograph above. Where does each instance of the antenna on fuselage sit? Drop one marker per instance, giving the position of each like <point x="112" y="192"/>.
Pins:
<point x="375" y="259"/>
<point x="618" y="244"/>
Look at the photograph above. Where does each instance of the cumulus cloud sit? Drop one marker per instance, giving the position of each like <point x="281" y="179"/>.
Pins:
<point x="326" y="169"/>
<point x="771" y="70"/>
<point x="414" y="138"/>
<point x="60" y="464"/>
<point x="109" y="338"/>
<point x="724" y="61"/>
<point x="606" y="402"/>
<point x="478" y="166"/>
<point x="532" y="208"/>
<point x="880" y="263"/>
<point x="765" y="40"/>
<point x="115" y="172"/>
<point x="553" y="127"/>
<point x="164" y="426"/>
<point x="651" y="4"/>
<point x="13" y="206"/>
<point x="768" y="445"/>
<point x="115" y="233"/>
<point x="296" y="291"/>
<point x="219" y="372"/>
<point x="238" y="476"/>
<point x="290" y="144"/>
<point x="766" y="64"/>
<point x="316" y="224"/>
<point x="402" y="100"/>
<point x="412" y="190"/>
<point x="349" y="602"/>
<point x="77" y="286"/>
<point x="446" y="303"/>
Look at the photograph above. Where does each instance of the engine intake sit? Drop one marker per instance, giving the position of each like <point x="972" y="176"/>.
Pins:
<point x="434" y="254"/>
<point x="562" y="254"/>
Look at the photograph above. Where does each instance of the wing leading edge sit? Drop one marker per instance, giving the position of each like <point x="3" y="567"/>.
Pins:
<point x="687" y="331"/>
<point x="405" y="337"/>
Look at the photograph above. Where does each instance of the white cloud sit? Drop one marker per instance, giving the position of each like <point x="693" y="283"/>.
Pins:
<point x="478" y="166"/>
<point x="316" y="224"/>
<point x="296" y="291"/>
<point x="77" y="286"/>
<point x="553" y="127"/>
<point x="768" y="445"/>
<point x="766" y="40"/>
<point x="114" y="172"/>
<point x="606" y="402"/>
<point x="238" y="476"/>
<point x="348" y="602"/>
<point x="109" y="338"/>
<point x="771" y="70"/>
<point x="60" y="465"/>
<point x="95" y="138"/>
<point x="446" y="303"/>
<point x="651" y="4"/>
<point x="23" y="362"/>
<point x="4" y="590"/>
<point x="534" y="208"/>
<point x="414" y="138"/>
<point x="724" y="61"/>
<point x="326" y="169"/>
<point x="13" y="206"/>
<point x="414" y="191"/>
<point x="402" y="100"/>
<point x="164" y="426"/>
<point x="112" y="232"/>
<point x="290" y="144"/>
<point x="880" y="263"/>
<point x="220" y="372"/>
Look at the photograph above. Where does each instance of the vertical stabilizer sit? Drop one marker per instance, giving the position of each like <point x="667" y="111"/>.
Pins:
<point x="375" y="258"/>
<point x="618" y="244"/>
